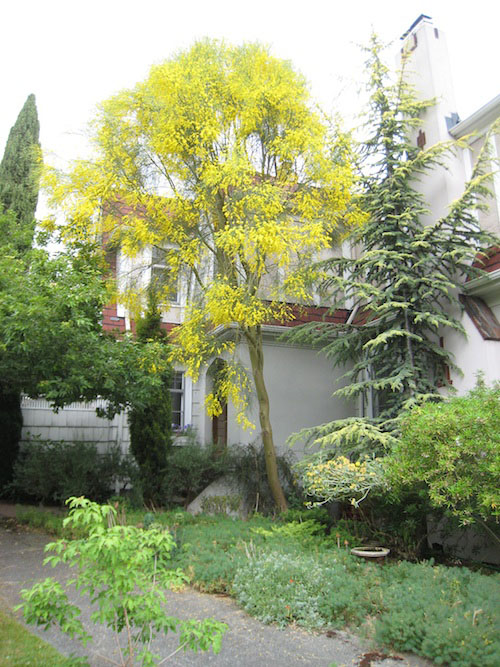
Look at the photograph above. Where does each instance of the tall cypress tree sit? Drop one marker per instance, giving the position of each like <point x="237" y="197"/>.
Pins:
<point x="151" y="425"/>
<point x="19" y="183"/>
<point x="19" y="186"/>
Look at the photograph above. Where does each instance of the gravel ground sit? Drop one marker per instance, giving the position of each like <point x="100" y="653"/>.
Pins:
<point x="247" y="643"/>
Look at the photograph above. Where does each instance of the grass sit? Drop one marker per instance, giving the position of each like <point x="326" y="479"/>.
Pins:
<point x="18" y="647"/>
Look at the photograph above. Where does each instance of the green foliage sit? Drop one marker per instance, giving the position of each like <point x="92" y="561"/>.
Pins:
<point x="125" y="571"/>
<point x="408" y="275"/>
<point x="50" y="472"/>
<point x="191" y="467"/>
<point x="11" y="423"/>
<point x="151" y="424"/>
<point x="20" y="647"/>
<point x="51" y="338"/>
<point x="454" y="448"/>
<point x="449" y="615"/>
<point x="293" y="573"/>
<point x="19" y="173"/>
<point x="213" y="548"/>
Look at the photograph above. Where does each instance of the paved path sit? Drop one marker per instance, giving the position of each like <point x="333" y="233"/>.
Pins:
<point x="247" y="643"/>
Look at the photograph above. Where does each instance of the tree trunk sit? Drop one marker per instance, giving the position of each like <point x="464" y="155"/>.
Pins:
<point x="253" y="336"/>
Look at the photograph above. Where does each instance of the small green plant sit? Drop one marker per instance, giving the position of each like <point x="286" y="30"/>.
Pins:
<point x="125" y="571"/>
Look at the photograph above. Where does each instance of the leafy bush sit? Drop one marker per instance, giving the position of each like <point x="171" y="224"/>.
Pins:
<point x="190" y="468"/>
<point x="454" y="448"/>
<point x="50" y="472"/>
<point x="125" y="571"/>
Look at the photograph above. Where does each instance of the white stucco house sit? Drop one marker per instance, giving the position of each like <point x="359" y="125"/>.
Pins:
<point x="430" y="73"/>
<point x="300" y="381"/>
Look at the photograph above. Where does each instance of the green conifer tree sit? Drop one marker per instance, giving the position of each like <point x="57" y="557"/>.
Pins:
<point x="151" y="425"/>
<point x="405" y="284"/>
<point x="19" y="186"/>
<point x="19" y="181"/>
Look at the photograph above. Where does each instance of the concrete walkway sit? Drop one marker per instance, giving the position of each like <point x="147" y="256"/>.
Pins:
<point x="247" y="643"/>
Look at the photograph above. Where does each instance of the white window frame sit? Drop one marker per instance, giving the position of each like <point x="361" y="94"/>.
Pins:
<point x="186" y="393"/>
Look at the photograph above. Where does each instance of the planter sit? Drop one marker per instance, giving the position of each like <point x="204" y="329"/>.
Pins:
<point x="370" y="553"/>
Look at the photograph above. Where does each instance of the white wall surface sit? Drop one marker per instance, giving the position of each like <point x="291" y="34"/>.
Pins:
<point x="300" y="383"/>
<point x="472" y="354"/>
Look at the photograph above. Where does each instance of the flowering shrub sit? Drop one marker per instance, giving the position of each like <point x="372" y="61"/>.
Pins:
<point x="342" y="479"/>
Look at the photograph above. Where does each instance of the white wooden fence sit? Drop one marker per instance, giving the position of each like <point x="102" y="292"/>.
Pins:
<point x="75" y="422"/>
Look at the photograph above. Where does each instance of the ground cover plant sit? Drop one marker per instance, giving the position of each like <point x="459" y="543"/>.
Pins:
<point x="298" y="569"/>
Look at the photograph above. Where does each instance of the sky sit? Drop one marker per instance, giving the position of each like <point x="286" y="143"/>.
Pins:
<point x="73" y="54"/>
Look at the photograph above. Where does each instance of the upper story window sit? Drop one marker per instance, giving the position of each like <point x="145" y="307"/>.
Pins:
<point x="160" y="275"/>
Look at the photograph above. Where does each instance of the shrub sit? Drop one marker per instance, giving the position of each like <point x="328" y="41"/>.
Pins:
<point x="454" y="448"/>
<point x="247" y="464"/>
<point x="50" y="472"/>
<point x="125" y="571"/>
<point x="151" y="424"/>
<point x="191" y="468"/>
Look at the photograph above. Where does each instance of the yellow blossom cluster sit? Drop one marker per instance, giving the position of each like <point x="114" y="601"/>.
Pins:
<point x="342" y="479"/>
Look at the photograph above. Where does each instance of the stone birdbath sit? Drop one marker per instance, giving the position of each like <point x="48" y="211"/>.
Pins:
<point x="374" y="554"/>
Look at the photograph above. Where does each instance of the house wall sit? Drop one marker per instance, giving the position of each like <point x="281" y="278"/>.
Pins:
<point x="472" y="354"/>
<point x="430" y="73"/>
<point x="300" y="383"/>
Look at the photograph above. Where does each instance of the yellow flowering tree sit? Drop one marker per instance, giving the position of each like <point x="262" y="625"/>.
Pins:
<point x="220" y="161"/>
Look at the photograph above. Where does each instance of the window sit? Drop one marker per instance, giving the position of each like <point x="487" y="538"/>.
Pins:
<point x="177" y="394"/>
<point x="160" y="275"/>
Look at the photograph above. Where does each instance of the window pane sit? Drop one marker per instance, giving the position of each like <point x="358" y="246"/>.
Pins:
<point x="157" y="255"/>
<point x="177" y="378"/>
<point x="177" y="416"/>
<point x="177" y="397"/>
